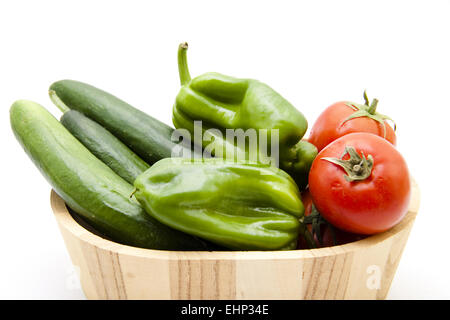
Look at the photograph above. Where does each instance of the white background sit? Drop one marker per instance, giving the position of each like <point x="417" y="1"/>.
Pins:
<point x="313" y="52"/>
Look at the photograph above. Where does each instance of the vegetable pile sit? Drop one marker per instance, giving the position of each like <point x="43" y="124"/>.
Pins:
<point x="116" y="166"/>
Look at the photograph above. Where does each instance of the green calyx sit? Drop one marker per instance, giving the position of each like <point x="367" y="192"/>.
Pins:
<point x="368" y="110"/>
<point x="316" y="220"/>
<point x="357" y="167"/>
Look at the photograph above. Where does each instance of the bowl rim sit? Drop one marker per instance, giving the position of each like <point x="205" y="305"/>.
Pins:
<point x="66" y="221"/>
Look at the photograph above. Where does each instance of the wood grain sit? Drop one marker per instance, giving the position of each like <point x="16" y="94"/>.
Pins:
<point x="359" y="270"/>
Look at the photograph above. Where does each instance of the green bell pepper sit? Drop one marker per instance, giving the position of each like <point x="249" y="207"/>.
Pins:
<point x="237" y="205"/>
<point x="298" y="166"/>
<point x="221" y="102"/>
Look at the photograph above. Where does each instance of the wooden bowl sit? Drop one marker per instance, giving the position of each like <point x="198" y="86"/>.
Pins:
<point x="359" y="270"/>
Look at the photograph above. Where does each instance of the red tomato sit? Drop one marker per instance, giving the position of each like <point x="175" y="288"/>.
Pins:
<point x="330" y="235"/>
<point x="376" y="199"/>
<point x="332" y="123"/>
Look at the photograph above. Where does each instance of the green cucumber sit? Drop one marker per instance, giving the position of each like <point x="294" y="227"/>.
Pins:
<point x="146" y="136"/>
<point x="103" y="144"/>
<point x="87" y="185"/>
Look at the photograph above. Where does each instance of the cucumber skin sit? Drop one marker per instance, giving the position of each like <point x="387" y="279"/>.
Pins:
<point x="146" y="136"/>
<point x="104" y="145"/>
<point x="89" y="186"/>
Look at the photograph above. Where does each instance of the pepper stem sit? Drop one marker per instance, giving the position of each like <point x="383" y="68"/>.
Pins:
<point x="357" y="167"/>
<point x="57" y="101"/>
<point x="183" y="69"/>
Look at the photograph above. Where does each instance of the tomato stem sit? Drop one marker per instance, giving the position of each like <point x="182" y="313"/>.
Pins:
<point x="357" y="167"/>
<point x="373" y="107"/>
<point x="369" y="111"/>
<point x="307" y="235"/>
